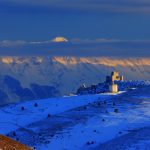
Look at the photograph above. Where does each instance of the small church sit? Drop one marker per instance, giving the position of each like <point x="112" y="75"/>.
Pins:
<point x="110" y="80"/>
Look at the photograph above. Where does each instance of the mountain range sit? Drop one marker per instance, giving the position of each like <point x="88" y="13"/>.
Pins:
<point x="27" y="78"/>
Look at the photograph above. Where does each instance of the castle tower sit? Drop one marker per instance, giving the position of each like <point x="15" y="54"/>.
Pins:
<point x="112" y="79"/>
<point x="113" y="88"/>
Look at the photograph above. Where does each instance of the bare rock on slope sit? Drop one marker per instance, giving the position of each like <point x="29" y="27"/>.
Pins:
<point x="10" y="144"/>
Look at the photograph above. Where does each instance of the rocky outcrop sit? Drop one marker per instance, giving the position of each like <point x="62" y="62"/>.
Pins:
<point x="10" y="144"/>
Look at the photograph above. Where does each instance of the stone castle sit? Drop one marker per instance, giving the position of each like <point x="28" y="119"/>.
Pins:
<point x="110" y="80"/>
<point x="114" y="77"/>
<point x="110" y="85"/>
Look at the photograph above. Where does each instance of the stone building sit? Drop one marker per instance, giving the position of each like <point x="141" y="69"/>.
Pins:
<point x="113" y="88"/>
<point x="114" y="77"/>
<point x="110" y="85"/>
<point x="110" y="80"/>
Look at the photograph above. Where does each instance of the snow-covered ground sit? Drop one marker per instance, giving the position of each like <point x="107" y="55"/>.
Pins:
<point x="22" y="114"/>
<point x="93" y="122"/>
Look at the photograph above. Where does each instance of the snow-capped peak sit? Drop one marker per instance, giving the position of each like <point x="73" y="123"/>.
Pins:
<point x="60" y="39"/>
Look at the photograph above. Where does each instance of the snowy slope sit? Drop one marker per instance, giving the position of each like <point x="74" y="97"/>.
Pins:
<point x="94" y="131"/>
<point x="81" y="122"/>
<point x="13" y="117"/>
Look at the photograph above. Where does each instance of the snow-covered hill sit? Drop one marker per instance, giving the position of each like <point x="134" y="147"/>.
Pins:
<point x="24" y="78"/>
<point x="22" y="114"/>
<point x="81" y="122"/>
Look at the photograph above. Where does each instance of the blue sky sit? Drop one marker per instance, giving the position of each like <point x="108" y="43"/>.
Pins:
<point x="44" y="19"/>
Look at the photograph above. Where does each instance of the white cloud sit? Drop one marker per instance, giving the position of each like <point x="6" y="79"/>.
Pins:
<point x="77" y="47"/>
<point x="8" y="43"/>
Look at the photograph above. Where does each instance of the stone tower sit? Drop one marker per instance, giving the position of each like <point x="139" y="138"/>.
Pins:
<point x="110" y="80"/>
<point x="113" y="88"/>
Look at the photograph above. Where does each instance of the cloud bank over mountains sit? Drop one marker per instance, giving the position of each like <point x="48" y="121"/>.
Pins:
<point x="61" y="46"/>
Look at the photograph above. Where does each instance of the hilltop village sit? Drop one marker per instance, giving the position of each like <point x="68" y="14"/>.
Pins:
<point x="110" y="85"/>
<point x="113" y="84"/>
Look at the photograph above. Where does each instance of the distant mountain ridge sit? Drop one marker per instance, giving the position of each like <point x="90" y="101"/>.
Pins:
<point x="25" y="78"/>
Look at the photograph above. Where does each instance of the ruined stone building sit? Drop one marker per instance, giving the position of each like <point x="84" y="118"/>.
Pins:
<point x="109" y="85"/>
<point x="114" y="77"/>
<point x="110" y="80"/>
